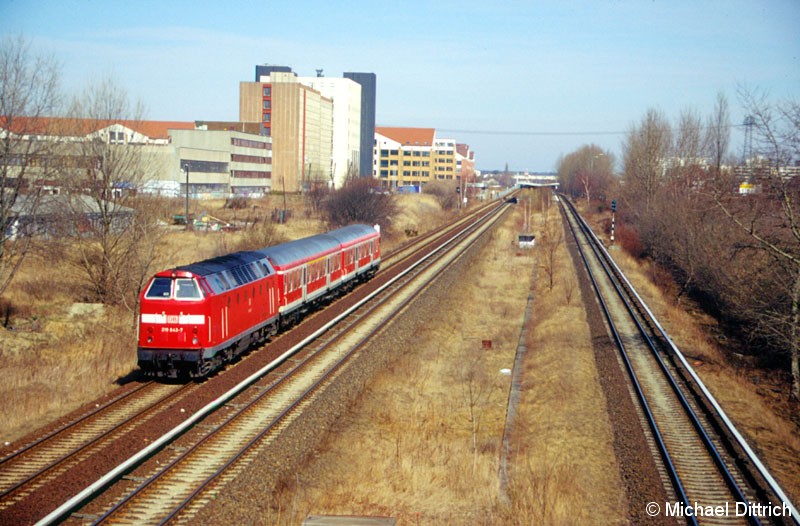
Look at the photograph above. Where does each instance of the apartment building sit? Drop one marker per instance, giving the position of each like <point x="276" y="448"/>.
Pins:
<point x="412" y="157"/>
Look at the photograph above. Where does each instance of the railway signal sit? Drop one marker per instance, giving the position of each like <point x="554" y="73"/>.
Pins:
<point x="613" y="214"/>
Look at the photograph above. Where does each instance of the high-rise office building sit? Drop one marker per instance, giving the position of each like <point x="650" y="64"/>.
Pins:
<point x="368" y="83"/>
<point x="346" y="96"/>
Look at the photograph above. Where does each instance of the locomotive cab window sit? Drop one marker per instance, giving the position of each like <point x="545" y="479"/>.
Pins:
<point x="160" y="289"/>
<point x="187" y="289"/>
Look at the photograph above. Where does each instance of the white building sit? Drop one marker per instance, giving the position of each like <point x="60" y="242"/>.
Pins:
<point x="346" y="96"/>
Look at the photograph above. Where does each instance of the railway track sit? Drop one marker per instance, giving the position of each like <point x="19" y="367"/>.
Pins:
<point x="707" y="467"/>
<point x="41" y="461"/>
<point x="48" y="465"/>
<point x="236" y="420"/>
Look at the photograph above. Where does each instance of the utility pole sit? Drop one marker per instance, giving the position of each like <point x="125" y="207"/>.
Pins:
<point x="186" y="215"/>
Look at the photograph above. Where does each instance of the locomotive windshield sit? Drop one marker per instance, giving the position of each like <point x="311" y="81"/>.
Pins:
<point x="179" y="289"/>
<point x="187" y="289"/>
<point x="160" y="288"/>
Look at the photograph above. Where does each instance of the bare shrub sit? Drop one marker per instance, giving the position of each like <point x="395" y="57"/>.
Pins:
<point x="258" y="236"/>
<point x="445" y="193"/>
<point x="628" y="238"/>
<point x="359" y="201"/>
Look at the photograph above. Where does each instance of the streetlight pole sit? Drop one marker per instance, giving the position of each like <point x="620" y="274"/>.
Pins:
<point x="186" y="215"/>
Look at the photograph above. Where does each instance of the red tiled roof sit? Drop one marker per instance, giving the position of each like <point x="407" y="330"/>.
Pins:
<point x="408" y="136"/>
<point x="65" y="126"/>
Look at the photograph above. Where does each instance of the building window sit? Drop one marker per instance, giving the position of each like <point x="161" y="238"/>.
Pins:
<point x="267" y="104"/>
<point x="267" y="91"/>
<point x="247" y="143"/>
<point x="239" y="158"/>
<point x="196" y="166"/>
<point x="267" y="117"/>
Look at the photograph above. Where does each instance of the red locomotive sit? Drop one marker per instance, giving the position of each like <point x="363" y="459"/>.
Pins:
<point x="196" y="317"/>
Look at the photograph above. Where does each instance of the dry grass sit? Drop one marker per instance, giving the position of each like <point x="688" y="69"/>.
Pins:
<point x="428" y="430"/>
<point x="564" y="452"/>
<point x="424" y="442"/>
<point x="59" y="362"/>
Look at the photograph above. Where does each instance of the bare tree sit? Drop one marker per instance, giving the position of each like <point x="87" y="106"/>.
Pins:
<point x="109" y="236"/>
<point x="359" y="201"/>
<point x="444" y="192"/>
<point x="588" y="171"/>
<point x="645" y="154"/>
<point x="552" y="239"/>
<point x="772" y="221"/>
<point x="718" y="134"/>
<point x="28" y="93"/>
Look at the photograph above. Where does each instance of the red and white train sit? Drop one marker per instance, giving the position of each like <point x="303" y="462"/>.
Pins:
<point x="196" y="317"/>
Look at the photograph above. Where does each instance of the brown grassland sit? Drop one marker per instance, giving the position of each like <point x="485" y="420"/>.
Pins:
<point x="63" y="353"/>
<point x="423" y="441"/>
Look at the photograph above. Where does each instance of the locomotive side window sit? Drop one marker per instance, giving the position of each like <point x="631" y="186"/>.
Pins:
<point x="160" y="288"/>
<point x="218" y="284"/>
<point x="187" y="289"/>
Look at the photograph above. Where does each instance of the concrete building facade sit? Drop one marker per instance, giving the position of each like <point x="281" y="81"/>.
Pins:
<point x="346" y="147"/>
<point x="300" y="122"/>
<point x="221" y="162"/>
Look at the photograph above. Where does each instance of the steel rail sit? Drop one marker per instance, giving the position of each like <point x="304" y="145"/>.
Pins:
<point x="91" y="442"/>
<point x="70" y="424"/>
<point x="698" y="426"/>
<point x="728" y="423"/>
<point x="649" y="417"/>
<point x="156" y="445"/>
<point x="358" y="346"/>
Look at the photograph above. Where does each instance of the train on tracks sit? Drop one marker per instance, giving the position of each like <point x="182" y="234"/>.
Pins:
<point x="195" y="318"/>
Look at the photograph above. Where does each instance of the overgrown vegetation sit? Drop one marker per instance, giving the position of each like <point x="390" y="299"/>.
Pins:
<point x="358" y="201"/>
<point x="738" y="253"/>
<point x="444" y="192"/>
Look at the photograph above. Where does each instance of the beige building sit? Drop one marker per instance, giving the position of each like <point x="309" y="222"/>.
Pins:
<point x="221" y="162"/>
<point x="300" y="122"/>
<point x="412" y="157"/>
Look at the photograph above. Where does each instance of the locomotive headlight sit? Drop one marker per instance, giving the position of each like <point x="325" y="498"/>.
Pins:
<point x="195" y="341"/>
<point x="149" y="339"/>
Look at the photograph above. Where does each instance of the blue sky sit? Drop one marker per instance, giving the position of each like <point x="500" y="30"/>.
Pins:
<point x="522" y="82"/>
